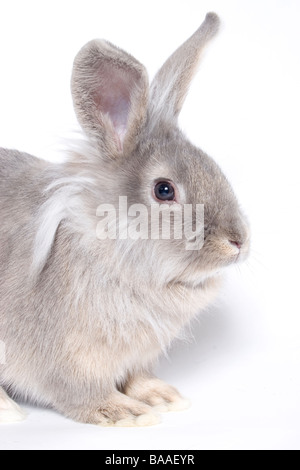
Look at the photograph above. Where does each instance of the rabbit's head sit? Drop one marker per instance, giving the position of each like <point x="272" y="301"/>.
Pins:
<point x="151" y="163"/>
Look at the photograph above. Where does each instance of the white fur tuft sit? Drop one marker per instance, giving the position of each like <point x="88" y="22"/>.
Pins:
<point x="10" y="412"/>
<point x="66" y="202"/>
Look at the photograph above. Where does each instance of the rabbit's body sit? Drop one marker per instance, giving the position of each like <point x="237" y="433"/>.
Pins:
<point x="84" y="314"/>
<point x="83" y="320"/>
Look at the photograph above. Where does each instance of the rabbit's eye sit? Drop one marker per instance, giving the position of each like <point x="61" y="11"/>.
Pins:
<point x="164" y="191"/>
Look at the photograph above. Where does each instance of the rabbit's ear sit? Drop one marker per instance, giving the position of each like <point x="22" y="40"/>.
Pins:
<point x="110" y="94"/>
<point x="170" y="85"/>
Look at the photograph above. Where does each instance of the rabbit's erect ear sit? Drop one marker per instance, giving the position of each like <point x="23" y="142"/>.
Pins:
<point x="110" y="95"/>
<point x="170" y="85"/>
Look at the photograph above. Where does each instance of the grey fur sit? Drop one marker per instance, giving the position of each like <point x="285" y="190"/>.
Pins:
<point x="84" y="320"/>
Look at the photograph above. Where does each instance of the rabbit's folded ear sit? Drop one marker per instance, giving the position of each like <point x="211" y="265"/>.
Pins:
<point x="110" y="94"/>
<point x="170" y="85"/>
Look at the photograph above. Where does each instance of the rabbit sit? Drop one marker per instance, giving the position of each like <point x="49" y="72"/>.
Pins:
<point x="84" y="318"/>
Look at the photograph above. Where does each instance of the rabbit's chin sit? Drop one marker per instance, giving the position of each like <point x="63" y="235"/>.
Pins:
<point x="200" y="281"/>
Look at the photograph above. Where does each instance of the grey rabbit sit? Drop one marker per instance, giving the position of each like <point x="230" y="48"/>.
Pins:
<point x="84" y="317"/>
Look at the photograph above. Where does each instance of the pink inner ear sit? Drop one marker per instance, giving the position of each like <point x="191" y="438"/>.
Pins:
<point x="113" y="96"/>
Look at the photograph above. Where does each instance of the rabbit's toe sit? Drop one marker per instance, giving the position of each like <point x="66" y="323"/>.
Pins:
<point x="176" y="405"/>
<point x="147" y="419"/>
<point x="156" y="393"/>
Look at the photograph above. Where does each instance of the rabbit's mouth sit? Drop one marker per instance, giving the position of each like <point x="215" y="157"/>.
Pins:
<point x="206" y="266"/>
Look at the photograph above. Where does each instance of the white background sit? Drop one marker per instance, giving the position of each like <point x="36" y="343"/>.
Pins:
<point x="241" y="369"/>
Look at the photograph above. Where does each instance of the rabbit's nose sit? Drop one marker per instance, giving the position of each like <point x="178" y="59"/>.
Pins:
<point x="236" y="243"/>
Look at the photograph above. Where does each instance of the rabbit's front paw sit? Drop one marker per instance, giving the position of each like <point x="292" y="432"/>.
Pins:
<point x="119" y="410"/>
<point x="156" y="393"/>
